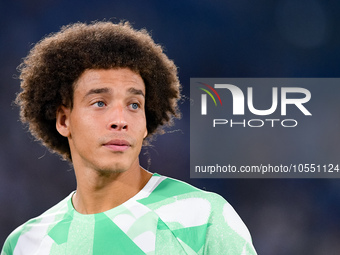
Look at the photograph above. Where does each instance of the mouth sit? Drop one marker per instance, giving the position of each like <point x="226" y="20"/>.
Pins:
<point x="117" y="145"/>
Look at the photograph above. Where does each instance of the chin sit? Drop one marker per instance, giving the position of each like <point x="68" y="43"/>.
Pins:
<point x="112" y="169"/>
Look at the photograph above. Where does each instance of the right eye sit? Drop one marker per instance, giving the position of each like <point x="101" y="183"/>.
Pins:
<point x="100" y="104"/>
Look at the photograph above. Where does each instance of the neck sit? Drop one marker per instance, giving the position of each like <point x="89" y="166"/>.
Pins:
<point x="98" y="192"/>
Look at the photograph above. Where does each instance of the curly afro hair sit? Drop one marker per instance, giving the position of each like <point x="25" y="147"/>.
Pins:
<point x="54" y="64"/>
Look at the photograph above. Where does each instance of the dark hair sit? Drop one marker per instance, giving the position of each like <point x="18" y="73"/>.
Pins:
<point x="54" y="64"/>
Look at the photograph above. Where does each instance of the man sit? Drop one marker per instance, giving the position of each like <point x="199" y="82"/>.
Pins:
<point x="94" y="94"/>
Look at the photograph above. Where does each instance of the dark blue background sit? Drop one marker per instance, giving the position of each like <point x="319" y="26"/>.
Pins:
<point x="236" y="38"/>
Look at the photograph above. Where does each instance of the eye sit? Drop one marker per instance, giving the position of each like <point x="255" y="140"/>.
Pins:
<point x="100" y="104"/>
<point x="134" y="106"/>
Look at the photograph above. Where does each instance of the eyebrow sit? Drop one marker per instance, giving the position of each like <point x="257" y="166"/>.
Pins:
<point x="97" y="91"/>
<point x="136" y="91"/>
<point x="108" y="90"/>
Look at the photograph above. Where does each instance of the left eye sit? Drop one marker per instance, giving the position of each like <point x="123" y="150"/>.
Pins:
<point x="134" y="106"/>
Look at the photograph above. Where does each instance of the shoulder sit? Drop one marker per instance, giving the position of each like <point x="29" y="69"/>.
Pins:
<point x="171" y="197"/>
<point x="169" y="188"/>
<point x="40" y="224"/>
<point x="183" y="207"/>
<point x="177" y="199"/>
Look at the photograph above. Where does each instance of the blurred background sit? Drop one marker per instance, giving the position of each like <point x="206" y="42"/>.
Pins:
<point x="236" y="38"/>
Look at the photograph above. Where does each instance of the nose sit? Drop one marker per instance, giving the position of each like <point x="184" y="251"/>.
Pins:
<point x="119" y="126"/>
<point x="117" y="120"/>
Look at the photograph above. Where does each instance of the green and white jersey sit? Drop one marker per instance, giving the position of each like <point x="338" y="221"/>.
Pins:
<point x="166" y="217"/>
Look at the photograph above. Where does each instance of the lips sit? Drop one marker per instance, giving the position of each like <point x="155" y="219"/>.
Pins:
<point x="118" y="145"/>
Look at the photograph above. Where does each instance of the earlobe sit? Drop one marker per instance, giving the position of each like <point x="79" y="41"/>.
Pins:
<point x="62" y="121"/>
<point x="146" y="133"/>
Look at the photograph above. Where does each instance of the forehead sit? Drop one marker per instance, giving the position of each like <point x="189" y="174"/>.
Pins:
<point x="120" y="78"/>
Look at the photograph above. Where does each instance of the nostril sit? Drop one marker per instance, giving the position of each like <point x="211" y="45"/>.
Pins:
<point x="119" y="126"/>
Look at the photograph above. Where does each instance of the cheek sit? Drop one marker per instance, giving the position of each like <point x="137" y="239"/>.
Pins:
<point x="144" y="129"/>
<point x="140" y="129"/>
<point x="82" y="125"/>
<point x="145" y="132"/>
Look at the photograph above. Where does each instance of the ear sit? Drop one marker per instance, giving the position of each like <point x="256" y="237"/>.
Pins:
<point x="63" y="120"/>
